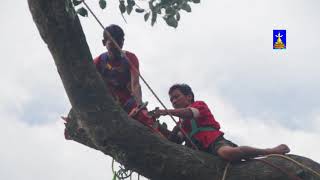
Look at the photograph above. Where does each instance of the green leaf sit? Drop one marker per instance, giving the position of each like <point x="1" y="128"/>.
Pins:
<point x="139" y="10"/>
<point x="170" y="11"/>
<point x="186" y="7"/>
<point x="157" y="9"/>
<point x="196" y="1"/>
<point x="131" y="2"/>
<point x="178" y="16"/>
<point x="165" y="3"/>
<point x="180" y="2"/>
<point x="146" y="16"/>
<point x="82" y="12"/>
<point x="102" y="4"/>
<point x="153" y="18"/>
<point x="114" y="176"/>
<point x="122" y="7"/>
<point x="129" y="9"/>
<point x="171" y="21"/>
<point x="76" y="2"/>
<point x="151" y="6"/>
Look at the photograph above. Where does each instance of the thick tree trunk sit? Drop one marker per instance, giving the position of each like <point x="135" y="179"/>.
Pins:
<point x="108" y="129"/>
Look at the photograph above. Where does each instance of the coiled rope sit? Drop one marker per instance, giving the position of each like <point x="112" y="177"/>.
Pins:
<point x="292" y="176"/>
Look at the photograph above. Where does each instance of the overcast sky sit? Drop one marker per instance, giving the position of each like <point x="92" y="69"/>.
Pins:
<point x="223" y="49"/>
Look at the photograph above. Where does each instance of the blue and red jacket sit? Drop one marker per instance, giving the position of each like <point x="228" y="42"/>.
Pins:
<point x="117" y="75"/>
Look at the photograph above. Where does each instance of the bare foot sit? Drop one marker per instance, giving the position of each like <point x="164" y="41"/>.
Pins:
<point x="281" y="149"/>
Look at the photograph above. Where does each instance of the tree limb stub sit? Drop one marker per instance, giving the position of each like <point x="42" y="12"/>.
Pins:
<point x="108" y="129"/>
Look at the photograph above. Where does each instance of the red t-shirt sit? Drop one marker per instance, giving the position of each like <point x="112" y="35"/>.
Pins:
<point x="204" y="119"/>
<point x="124" y="94"/>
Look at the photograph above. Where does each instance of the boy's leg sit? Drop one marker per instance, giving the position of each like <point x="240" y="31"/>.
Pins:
<point x="246" y="152"/>
<point x="231" y="152"/>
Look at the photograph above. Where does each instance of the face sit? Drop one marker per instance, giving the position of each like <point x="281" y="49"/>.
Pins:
<point x="111" y="47"/>
<point x="180" y="100"/>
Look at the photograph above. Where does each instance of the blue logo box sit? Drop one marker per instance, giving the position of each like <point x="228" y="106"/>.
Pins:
<point x="279" y="39"/>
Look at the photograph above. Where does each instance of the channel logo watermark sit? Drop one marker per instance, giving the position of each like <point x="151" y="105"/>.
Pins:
<point x="279" y="39"/>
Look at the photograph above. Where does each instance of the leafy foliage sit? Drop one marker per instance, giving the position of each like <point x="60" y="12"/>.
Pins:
<point x="82" y="12"/>
<point x="146" y="16"/>
<point x="168" y="9"/>
<point x="102" y="4"/>
<point x="122" y="7"/>
<point x="76" y="2"/>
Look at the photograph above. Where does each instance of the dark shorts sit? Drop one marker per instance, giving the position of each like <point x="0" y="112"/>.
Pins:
<point x="218" y="143"/>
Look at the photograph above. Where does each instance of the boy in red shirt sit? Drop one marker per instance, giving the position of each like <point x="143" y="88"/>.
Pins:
<point x="121" y="74"/>
<point x="199" y="124"/>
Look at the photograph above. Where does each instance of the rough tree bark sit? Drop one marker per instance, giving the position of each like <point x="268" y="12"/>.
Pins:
<point x="108" y="129"/>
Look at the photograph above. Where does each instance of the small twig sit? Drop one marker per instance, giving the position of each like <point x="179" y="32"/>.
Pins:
<point x="123" y="18"/>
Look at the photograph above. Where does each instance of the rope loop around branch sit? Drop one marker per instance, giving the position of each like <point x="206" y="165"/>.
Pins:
<point x="292" y="176"/>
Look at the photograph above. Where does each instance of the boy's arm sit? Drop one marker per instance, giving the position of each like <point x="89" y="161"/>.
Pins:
<point x="135" y="83"/>
<point x="180" y="112"/>
<point x="136" y="88"/>
<point x="175" y="135"/>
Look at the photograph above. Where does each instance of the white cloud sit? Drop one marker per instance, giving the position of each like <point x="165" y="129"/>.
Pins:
<point x="264" y="133"/>
<point x="41" y="152"/>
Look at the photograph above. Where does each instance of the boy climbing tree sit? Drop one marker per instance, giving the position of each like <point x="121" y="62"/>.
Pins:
<point x="120" y="71"/>
<point x="197" y="121"/>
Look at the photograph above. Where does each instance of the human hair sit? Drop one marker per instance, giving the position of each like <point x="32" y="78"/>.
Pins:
<point x="183" y="88"/>
<point x="116" y="33"/>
